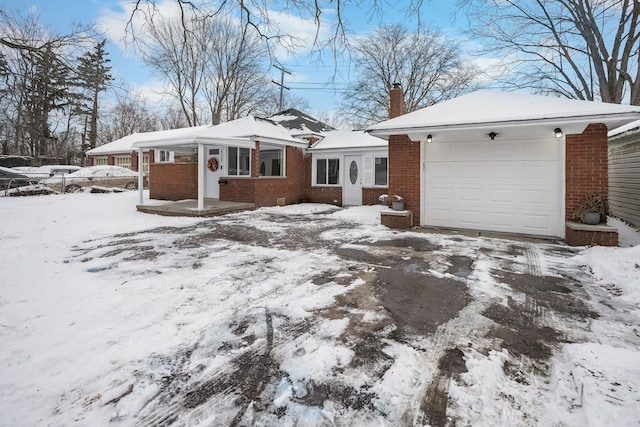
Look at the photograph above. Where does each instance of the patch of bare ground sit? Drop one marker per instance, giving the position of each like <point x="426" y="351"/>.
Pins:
<point x="419" y="302"/>
<point x="434" y="404"/>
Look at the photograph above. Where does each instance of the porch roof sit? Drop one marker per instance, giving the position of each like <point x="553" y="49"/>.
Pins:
<point x="242" y="132"/>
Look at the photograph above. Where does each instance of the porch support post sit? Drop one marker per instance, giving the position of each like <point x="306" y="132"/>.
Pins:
<point x="140" y="176"/>
<point x="201" y="162"/>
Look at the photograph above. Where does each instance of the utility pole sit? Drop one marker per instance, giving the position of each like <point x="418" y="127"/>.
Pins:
<point x="281" y="84"/>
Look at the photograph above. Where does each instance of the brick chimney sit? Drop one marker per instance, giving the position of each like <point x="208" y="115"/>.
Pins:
<point x="396" y="96"/>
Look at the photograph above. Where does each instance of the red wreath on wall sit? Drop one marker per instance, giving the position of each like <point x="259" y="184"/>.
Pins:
<point x="212" y="164"/>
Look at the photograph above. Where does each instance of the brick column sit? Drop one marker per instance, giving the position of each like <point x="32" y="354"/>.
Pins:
<point x="404" y="179"/>
<point x="586" y="165"/>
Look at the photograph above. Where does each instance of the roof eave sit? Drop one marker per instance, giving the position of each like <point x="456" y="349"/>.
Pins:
<point x="566" y="120"/>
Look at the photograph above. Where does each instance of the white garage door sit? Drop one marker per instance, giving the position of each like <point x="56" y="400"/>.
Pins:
<point x="505" y="186"/>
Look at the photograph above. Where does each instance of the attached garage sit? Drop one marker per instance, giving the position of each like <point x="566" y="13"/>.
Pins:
<point x="504" y="186"/>
<point x="503" y="162"/>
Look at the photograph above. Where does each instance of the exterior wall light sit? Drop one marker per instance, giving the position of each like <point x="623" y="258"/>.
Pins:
<point x="429" y="138"/>
<point x="492" y="135"/>
<point x="558" y="132"/>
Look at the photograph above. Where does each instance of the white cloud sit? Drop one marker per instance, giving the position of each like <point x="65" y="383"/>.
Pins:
<point x="121" y="24"/>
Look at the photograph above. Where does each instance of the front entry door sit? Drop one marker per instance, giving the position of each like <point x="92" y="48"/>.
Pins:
<point x="212" y="174"/>
<point x="352" y="187"/>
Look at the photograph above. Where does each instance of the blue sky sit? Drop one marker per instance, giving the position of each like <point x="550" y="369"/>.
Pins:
<point x="307" y="77"/>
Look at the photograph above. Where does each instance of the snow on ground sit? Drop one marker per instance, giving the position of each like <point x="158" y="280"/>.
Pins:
<point x="108" y="315"/>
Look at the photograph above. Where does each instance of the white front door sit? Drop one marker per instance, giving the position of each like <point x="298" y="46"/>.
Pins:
<point x="352" y="181"/>
<point x="212" y="173"/>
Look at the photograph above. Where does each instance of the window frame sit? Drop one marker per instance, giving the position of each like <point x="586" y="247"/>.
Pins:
<point x="238" y="167"/>
<point x="281" y="158"/>
<point x="375" y="184"/>
<point x="122" y="161"/>
<point x="101" y="161"/>
<point x="161" y="155"/>
<point x="327" y="159"/>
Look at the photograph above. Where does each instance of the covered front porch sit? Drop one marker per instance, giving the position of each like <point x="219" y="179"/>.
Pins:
<point x="210" y="207"/>
<point x="235" y="165"/>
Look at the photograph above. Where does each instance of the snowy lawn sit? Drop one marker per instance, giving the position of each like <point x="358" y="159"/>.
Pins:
<point x="305" y="315"/>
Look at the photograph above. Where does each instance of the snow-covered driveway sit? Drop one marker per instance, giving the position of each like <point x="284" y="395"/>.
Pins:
<point x="304" y="315"/>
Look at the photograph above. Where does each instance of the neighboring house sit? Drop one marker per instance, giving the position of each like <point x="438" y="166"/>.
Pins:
<point x="503" y="162"/>
<point x="122" y="153"/>
<point x="624" y="172"/>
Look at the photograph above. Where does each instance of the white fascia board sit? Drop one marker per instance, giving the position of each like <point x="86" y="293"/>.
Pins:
<point x="276" y="141"/>
<point x="366" y="150"/>
<point x="419" y="133"/>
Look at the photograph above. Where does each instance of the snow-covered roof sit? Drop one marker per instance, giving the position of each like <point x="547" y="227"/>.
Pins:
<point x="300" y="123"/>
<point x="348" y="139"/>
<point x="622" y="129"/>
<point x="486" y="108"/>
<point x="240" y="132"/>
<point x="125" y="145"/>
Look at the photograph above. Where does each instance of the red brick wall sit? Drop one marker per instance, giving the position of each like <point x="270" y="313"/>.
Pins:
<point x="330" y="195"/>
<point x="238" y="190"/>
<point x="586" y="165"/>
<point x="590" y="238"/>
<point x="370" y="195"/>
<point x="404" y="172"/>
<point x="173" y="181"/>
<point x="291" y="188"/>
<point x="134" y="161"/>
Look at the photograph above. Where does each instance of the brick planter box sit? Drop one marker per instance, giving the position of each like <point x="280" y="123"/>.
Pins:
<point x="578" y="234"/>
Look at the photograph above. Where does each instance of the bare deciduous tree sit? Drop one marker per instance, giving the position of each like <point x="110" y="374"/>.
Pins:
<point x="328" y="16"/>
<point x="129" y="115"/>
<point x="427" y="64"/>
<point x="213" y="69"/>
<point x="582" y="49"/>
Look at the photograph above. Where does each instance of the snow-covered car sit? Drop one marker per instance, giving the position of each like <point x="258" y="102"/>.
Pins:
<point x="13" y="179"/>
<point x="46" y="171"/>
<point x="102" y="176"/>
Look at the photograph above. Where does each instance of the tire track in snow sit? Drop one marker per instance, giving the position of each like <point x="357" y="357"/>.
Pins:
<point x="532" y="258"/>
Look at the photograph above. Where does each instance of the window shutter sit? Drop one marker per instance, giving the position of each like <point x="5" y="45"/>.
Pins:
<point x="368" y="171"/>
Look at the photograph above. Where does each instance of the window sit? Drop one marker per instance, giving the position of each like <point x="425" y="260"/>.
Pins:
<point x="239" y="161"/>
<point x="145" y="163"/>
<point x="327" y="171"/>
<point x="164" y="156"/>
<point x="98" y="161"/>
<point x="380" y="171"/>
<point x="271" y="160"/>
<point x="123" y="161"/>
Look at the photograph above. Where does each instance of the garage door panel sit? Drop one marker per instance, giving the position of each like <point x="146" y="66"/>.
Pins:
<point x="533" y="198"/>
<point x="535" y="223"/>
<point x="498" y="196"/>
<point x="469" y="194"/>
<point x="445" y="217"/>
<point x="510" y="187"/>
<point x="470" y="218"/>
<point x="501" y="219"/>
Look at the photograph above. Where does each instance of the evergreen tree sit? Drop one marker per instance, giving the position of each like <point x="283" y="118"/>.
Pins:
<point x="93" y="78"/>
<point x="48" y="90"/>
